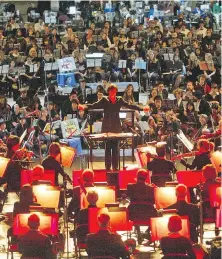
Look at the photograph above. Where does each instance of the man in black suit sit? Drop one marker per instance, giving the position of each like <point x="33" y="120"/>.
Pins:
<point x="88" y="181"/>
<point x="141" y="206"/>
<point x="104" y="243"/>
<point x="35" y="244"/>
<point x="161" y="168"/>
<point x="187" y="209"/>
<point x="202" y="106"/>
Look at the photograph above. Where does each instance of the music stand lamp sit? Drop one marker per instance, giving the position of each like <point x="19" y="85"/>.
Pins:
<point x="166" y="196"/>
<point x="107" y="195"/>
<point x="119" y="219"/>
<point x="99" y="176"/>
<point x="159" y="228"/>
<point x="190" y="178"/>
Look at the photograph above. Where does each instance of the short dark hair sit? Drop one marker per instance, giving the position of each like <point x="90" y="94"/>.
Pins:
<point x="54" y="149"/>
<point x="75" y="101"/>
<point x="158" y="98"/>
<point x="161" y="151"/>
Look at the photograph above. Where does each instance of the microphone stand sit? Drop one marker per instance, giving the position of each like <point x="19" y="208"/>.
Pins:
<point x="47" y="99"/>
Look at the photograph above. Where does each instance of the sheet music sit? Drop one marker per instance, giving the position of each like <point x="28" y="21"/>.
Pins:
<point x="97" y="127"/>
<point x="5" y="69"/>
<point x="185" y="141"/>
<point x="48" y="67"/>
<point x="90" y="63"/>
<point x="98" y="62"/>
<point x="140" y="64"/>
<point x="122" y="63"/>
<point x="144" y="125"/>
<point x="33" y="68"/>
<point x="55" y="66"/>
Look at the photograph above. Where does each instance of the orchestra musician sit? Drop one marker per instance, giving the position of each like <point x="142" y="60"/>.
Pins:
<point x="111" y="122"/>
<point x="3" y="131"/>
<point x="51" y="162"/>
<point x="105" y="243"/>
<point x="202" y="156"/>
<point x="161" y="168"/>
<point x="34" y="244"/>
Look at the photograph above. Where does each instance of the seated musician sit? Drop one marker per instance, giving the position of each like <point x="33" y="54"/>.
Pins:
<point x="88" y="181"/>
<point x="184" y="208"/>
<point x="34" y="244"/>
<point x="51" y="162"/>
<point x="26" y="199"/>
<point x="12" y="173"/>
<point x="158" y="110"/>
<point x="174" y="245"/>
<point x="209" y="172"/>
<point x="178" y="109"/>
<point x="161" y="168"/>
<point x="104" y="242"/>
<point x="202" y="156"/>
<point x="82" y="217"/>
<point x="141" y="196"/>
<point x="15" y="116"/>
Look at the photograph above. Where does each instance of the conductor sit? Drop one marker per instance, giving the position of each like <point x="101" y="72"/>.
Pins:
<point x="111" y="105"/>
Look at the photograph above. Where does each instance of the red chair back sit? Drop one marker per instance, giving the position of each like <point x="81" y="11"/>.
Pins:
<point x="190" y="178"/>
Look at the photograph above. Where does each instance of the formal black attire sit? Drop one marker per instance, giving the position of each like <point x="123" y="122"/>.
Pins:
<point x="193" y="212"/>
<point x="111" y="123"/>
<point x="161" y="169"/>
<point x="199" y="161"/>
<point x="141" y="201"/>
<point x="35" y="244"/>
<point x="19" y="129"/>
<point x="23" y="101"/>
<point x="74" y="205"/>
<point x="49" y="163"/>
<point x="104" y="243"/>
<point x="204" y="107"/>
<point x="178" y="245"/>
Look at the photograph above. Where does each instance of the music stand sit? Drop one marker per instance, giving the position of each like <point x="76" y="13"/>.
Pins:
<point x="129" y="176"/>
<point x="99" y="176"/>
<point x="122" y="63"/>
<point x="166" y="196"/>
<point x="140" y="64"/>
<point x="48" y="224"/>
<point x="190" y="178"/>
<point x="185" y="140"/>
<point x="119" y="219"/>
<point x="107" y="195"/>
<point x="94" y="60"/>
<point x="159" y="227"/>
<point x="47" y="196"/>
<point x="27" y="177"/>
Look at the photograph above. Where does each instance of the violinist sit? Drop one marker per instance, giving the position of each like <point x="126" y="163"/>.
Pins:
<point x="202" y="156"/>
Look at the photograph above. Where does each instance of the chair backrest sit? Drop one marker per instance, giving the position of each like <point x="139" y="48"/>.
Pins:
<point x="215" y="191"/>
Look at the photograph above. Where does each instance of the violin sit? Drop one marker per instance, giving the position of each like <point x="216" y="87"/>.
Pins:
<point x="190" y="154"/>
